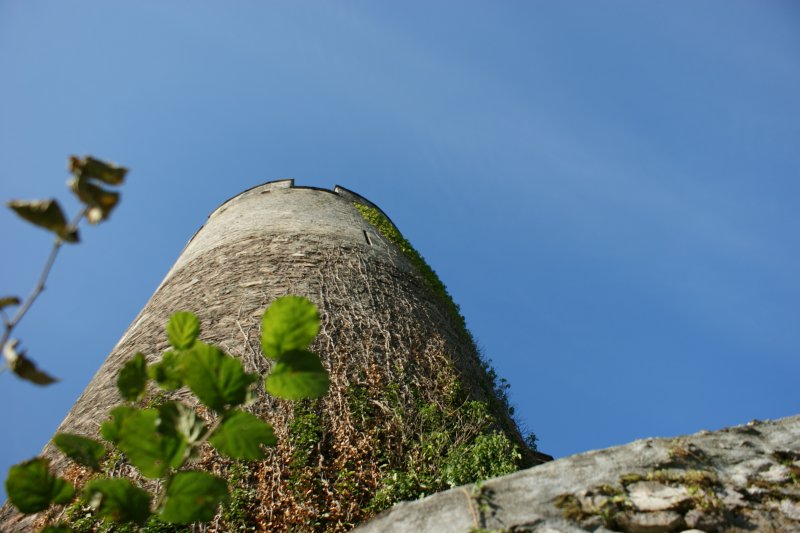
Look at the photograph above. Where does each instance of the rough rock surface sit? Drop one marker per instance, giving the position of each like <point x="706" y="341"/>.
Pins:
<point x="744" y="478"/>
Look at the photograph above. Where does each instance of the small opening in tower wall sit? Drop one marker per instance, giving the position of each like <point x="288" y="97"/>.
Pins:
<point x="366" y="236"/>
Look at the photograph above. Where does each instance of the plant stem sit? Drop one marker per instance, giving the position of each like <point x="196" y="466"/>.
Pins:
<point x="40" y="284"/>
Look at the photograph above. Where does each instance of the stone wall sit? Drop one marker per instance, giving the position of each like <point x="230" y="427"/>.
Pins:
<point x="744" y="478"/>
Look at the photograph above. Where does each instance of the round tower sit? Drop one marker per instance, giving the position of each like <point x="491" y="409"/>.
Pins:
<point x="412" y="408"/>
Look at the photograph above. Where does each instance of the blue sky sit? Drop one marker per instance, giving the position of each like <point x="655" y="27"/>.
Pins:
<point x="608" y="189"/>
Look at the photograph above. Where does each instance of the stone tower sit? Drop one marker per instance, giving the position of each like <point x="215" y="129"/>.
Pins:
<point x="412" y="409"/>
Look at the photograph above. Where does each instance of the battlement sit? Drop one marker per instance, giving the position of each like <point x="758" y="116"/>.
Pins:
<point x="288" y="183"/>
<point x="281" y="208"/>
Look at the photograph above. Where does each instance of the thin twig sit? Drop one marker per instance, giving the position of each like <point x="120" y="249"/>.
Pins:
<point x="40" y="285"/>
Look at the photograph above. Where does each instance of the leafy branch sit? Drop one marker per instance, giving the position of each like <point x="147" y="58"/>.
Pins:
<point x="162" y="441"/>
<point x="98" y="203"/>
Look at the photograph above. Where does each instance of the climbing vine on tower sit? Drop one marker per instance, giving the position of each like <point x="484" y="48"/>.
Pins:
<point x="162" y="442"/>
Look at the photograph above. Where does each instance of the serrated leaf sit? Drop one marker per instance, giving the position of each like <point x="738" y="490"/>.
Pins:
<point x="7" y="301"/>
<point x="95" y="168"/>
<point x="297" y="375"/>
<point x="100" y="201"/>
<point x="290" y="323"/>
<point x="82" y="450"/>
<point x="241" y="434"/>
<point x="183" y="419"/>
<point x="118" y="500"/>
<point x="193" y="497"/>
<point x="218" y="380"/>
<point x="182" y="329"/>
<point x="167" y="372"/>
<point x="24" y="367"/>
<point x="32" y="488"/>
<point x="46" y="214"/>
<point x="132" y="378"/>
<point x="151" y="447"/>
<point x="110" y="429"/>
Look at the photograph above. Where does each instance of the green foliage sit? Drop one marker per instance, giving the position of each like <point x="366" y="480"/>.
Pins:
<point x="132" y="378"/>
<point x="487" y="456"/>
<point x="81" y="518"/>
<point x="110" y="429"/>
<point x="32" y="488"/>
<point x="82" y="450"/>
<point x="290" y="323"/>
<point x="117" y="500"/>
<point x="531" y="441"/>
<point x="151" y="445"/>
<point x="88" y="174"/>
<point x="158" y="440"/>
<point x="24" y="367"/>
<point x="182" y="329"/>
<point x="193" y="497"/>
<point x="397" y="486"/>
<point x="183" y="420"/>
<point x="298" y="374"/>
<point x="89" y="167"/>
<point x="167" y="372"/>
<point x="46" y="214"/>
<point x="456" y="445"/>
<point x="240" y="436"/>
<point x="218" y="380"/>
<point x="8" y="301"/>
<point x="236" y="512"/>
<point x="305" y="433"/>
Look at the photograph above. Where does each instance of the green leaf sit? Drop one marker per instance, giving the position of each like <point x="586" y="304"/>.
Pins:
<point x="290" y="323"/>
<point x="100" y="201"/>
<point x="24" y="367"/>
<point x="218" y="380"/>
<point x="240" y="436"/>
<point x="46" y="214"/>
<point x="110" y="429"/>
<point x="8" y="300"/>
<point x="297" y="375"/>
<point x="32" y="488"/>
<point x="27" y="370"/>
<point x="94" y="168"/>
<point x="80" y="449"/>
<point x="184" y="420"/>
<point x="58" y="528"/>
<point x="183" y="329"/>
<point x="132" y="378"/>
<point x="167" y="372"/>
<point x="151" y="446"/>
<point x="193" y="497"/>
<point x="118" y="500"/>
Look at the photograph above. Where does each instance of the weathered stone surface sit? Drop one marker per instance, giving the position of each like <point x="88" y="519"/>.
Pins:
<point x="654" y="496"/>
<point x="777" y="474"/>
<point x="791" y="509"/>
<point x="702" y="520"/>
<point x="656" y="522"/>
<point x="735" y="477"/>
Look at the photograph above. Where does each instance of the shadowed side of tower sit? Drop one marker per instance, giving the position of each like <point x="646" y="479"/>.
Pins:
<point x="411" y="409"/>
